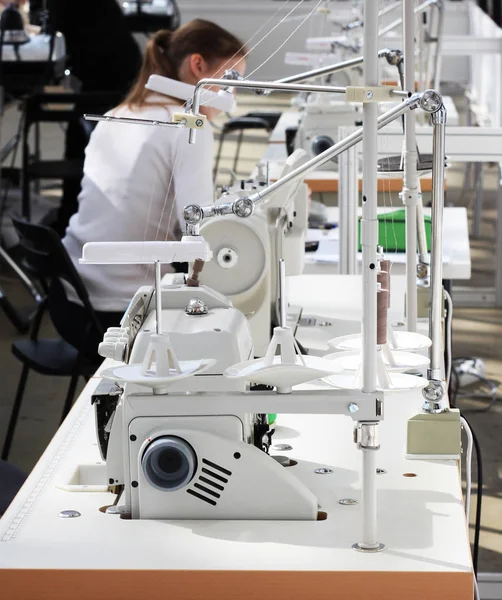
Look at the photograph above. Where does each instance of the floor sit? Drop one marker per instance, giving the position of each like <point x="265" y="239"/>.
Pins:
<point x="476" y="332"/>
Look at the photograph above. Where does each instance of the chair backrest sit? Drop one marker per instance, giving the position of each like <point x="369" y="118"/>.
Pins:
<point x="46" y="254"/>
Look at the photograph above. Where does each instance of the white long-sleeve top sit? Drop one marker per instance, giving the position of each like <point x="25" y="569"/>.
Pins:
<point x="137" y="180"/>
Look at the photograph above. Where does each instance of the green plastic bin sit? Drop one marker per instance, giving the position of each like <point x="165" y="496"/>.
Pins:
<point x="392" y="231"/>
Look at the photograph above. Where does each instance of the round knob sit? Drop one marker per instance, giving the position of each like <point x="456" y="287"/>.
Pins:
<point x="431" y="101"/>
<point x="192" y="214"/>
<point x="243" y="207"/>
<point x="169" y="463"/>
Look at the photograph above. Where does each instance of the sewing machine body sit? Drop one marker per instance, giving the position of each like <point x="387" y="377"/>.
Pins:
<point x="220" y="460"/>
<point x="246" y="251"/>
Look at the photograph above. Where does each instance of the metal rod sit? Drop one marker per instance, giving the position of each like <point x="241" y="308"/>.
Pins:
<point x="348" y="203"/>
<point x="129" y="121"/>
<point x="369" y="498"/>
<point x="498" y="244"/>
<point x="329" y="69"/>
<point x="391" y="26"/>
<point x="410" y="175"/>
<point x="282" y="293"/>
<point x="270" y="85"/>
<point x="194" y="214"/>
<point x="337" y="149"/>
<point x="439" y="38"/>
<point x="382" y="13"/>
<point x="436" y="291"/>
<point x="158" y="295"/>
<point x="369" y="242"/>
<point x="423" y="252"/>
<point x="369" y="222"/>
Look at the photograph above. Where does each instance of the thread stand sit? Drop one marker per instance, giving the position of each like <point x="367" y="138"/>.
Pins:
<point x="288" y="368"/>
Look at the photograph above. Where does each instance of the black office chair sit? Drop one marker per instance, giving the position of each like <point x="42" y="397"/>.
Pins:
<point x="250" y="121"/>
<point x="55" y="108"/>
<point x="47" y="255"/>
<point x="11" y="480"/>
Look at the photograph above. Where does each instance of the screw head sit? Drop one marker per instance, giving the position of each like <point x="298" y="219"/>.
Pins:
<point x="243" y="207"/>
<point x="369" y="94"/>
<point x="282" y="447"/>
<point x="69" y="514"/>
<point x="353" y="408"/>
<point x="199" y="122"/>
<point x="434" y="391"/>
<point x="196" y="306"/>
<point x="323" y="471"/>
<point x="192" y="214"/>
<point x="348" y="502"/>
<point x="431" y="101"/>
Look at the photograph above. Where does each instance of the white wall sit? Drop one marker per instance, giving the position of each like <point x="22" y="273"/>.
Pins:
<point x="245" y="17"/>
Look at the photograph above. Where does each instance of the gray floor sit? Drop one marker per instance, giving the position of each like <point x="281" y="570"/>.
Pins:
<point x="476" y="332"/>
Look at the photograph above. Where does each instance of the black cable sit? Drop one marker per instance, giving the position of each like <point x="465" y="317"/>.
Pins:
<point x="479" y="499"/>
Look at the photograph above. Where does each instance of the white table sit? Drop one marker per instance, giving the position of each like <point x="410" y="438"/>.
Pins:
<point x="456" y="248"/>
<point x="98" y="555"/>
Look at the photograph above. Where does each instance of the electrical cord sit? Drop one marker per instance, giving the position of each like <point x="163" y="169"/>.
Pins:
<point x="468" y="478"/>
<point x="479" y="496"/>
<point x="449" y="321"/>
<point x="468" y="468"/>
<point x="454" y="384"/>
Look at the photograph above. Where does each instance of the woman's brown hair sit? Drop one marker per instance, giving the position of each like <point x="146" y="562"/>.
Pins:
<point x="166" y="51"/>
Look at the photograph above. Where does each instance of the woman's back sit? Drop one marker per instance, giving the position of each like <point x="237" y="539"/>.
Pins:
<point x="137" y="179"/>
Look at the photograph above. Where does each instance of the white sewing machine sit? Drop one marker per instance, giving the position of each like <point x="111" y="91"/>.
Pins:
<point x="247" y="251"/>
<point x="203" y="455"/>
<point x="322" y="114"/>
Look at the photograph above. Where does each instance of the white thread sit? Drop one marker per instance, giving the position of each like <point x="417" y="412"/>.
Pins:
<point x="287" y="39"/>
<point x="205" y="91"/>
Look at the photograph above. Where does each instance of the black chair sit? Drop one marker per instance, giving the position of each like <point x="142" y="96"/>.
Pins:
<point x="250" y="121"/>
<point x="62" y="108"/>
<point x="56" y="357"/>
<point x="11" y="480"/>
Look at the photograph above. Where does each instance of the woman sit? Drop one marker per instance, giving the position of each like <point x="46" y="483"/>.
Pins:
<point x="137" y="179"/>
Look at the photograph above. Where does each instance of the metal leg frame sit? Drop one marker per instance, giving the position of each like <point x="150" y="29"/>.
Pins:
<point x="20" y="322"/>
<point x="11" y="428"/>
<point x="486" y="297"/>
<point x="478" y="200"/>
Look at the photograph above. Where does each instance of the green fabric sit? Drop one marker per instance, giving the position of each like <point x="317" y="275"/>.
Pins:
<point x="392" y="231"/>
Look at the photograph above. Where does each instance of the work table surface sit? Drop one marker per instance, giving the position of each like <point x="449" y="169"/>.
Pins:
<point x="420" y="520"/>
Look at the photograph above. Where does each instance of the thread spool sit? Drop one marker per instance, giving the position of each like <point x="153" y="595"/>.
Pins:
<point x="385" y="268"/>
<point x="193" y="279"/>
<point x="382" y="308"/>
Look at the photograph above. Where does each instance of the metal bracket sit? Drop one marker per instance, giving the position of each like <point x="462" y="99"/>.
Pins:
<point x="366" y="436"/>
<point x="382" y="93"/>
<point x="190" y="120"/>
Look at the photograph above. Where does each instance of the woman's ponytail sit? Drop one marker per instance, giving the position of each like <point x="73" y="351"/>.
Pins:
<point x="167" y="49"/>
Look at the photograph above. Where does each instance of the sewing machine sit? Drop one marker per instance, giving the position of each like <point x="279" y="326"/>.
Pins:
<point x="323" y="114"/>
<point x="209" y="453"/>
<point x="29" y="56"/>
<point x="247" y="251"/>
